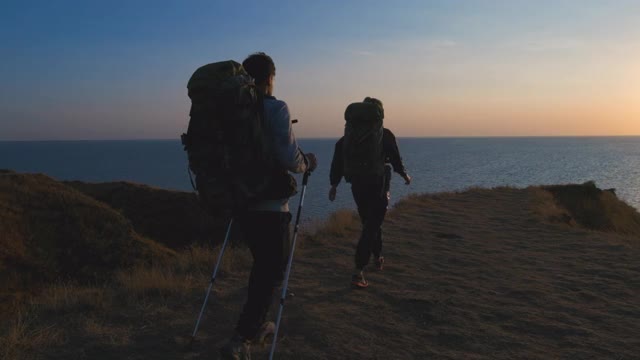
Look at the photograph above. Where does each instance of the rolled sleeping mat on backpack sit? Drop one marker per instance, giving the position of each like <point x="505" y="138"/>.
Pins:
<point x="363" y="112"/>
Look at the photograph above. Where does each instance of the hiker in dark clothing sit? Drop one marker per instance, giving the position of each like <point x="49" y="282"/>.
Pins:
<point x="266" y="225"/>
<point x="371" y="194"/>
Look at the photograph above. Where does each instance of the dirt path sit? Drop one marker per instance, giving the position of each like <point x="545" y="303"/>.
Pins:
<point x="475" y="275"/>
<point x="482" y="278"/>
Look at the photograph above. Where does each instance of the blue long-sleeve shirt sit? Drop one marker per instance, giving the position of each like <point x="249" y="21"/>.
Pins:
<point x="278" y="121"/>
<point x="287" y="153"/>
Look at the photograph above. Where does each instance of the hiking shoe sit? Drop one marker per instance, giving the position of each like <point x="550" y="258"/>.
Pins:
<point x="358" y="281"/>
<point x="238" y="348"/>
<point x="380" y="263"/>
<point x="266" y="330"/>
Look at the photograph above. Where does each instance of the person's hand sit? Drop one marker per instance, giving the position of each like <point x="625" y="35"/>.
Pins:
<point x="332" y="193"/>
<point x="312" y="161"/>
<point x="407" y="179"/>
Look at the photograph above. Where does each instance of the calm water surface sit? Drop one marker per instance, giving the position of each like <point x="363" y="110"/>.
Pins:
<point x="436" y="164"/>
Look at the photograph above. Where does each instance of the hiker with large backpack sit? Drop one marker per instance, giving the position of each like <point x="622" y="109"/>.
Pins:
<point x="364" y="156"/>
<point x="242" y="151"/>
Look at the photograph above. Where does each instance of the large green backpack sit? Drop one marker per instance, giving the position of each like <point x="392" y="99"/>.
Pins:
<point x="363" y="153"/>
<point x="225" y="140"/>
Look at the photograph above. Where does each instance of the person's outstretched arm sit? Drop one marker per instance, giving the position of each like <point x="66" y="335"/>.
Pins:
<point x="393" y="154"/>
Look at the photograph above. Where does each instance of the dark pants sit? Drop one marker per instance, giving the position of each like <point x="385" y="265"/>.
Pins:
<point x="267" y="235"/>
<point x="370" y="194"/>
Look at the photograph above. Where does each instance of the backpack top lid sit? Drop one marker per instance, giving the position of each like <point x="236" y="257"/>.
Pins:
<point x="363" y="112"/>
<point x="212" y="77"/>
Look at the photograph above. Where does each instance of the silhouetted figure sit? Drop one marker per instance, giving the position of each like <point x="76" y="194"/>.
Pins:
<point x="364" y="157"/>
<point x="266" y="225"/>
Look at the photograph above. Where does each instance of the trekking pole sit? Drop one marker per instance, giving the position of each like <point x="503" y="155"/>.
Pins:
<point x="305" y="180"/>
<point x="213" y="278"/>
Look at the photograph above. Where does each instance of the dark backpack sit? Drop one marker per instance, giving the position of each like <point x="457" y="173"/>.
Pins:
<point x="363" y="153"/>
<point x="225" y="140"/>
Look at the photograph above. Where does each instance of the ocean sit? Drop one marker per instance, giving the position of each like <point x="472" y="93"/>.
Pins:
<point x="436" y="164"/>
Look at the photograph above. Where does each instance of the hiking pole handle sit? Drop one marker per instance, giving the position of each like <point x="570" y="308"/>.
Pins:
<point x="305" y="180"/>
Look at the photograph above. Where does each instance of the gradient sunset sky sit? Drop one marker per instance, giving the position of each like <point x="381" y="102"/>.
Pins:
<point x="118" y="69"/>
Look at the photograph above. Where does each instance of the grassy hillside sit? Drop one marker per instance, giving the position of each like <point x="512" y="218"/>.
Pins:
<point x="482" y="274"/>
<point x="52" y="232"/>
<point x="172" y="218"/>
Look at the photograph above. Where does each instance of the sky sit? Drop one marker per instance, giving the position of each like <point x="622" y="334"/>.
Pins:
<point x="97" y="70"/>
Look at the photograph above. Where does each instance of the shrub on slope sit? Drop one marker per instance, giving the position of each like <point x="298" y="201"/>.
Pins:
<point x="596" y="209"/>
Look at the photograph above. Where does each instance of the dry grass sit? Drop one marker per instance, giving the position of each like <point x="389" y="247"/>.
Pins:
<point x="188" y="271"/>
<point x="26" y="338"/>
<point x="201" y="259"/>
<point x="624" y="219"/>
<point x="152" y="281"/>
<point x="470" y="275"/>
<point x="545" y="207"/>
<point x="66" y="297"/>
<point x="66" y="310"/>
<point x="341" y="224"/>
<point x="108" y="334"/>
